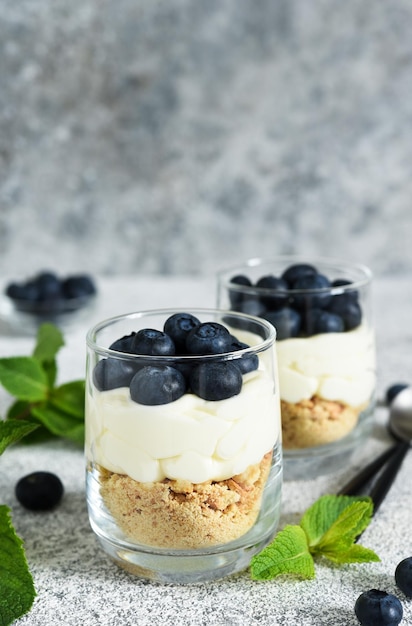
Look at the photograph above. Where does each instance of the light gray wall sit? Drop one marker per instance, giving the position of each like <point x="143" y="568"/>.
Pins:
<point x="179" y="136"/>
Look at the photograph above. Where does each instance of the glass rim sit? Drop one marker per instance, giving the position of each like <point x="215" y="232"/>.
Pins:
<point x="224" y="276"/>
<point x="235" y="354"/>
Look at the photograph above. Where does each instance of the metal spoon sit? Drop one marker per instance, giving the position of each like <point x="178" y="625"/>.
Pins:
<point x="400" y="427"/>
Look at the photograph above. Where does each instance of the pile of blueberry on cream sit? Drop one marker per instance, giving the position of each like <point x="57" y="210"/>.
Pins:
<point x="325" y="349"/>
<point x="195" y="436"/>
<point x="46" y="293"/>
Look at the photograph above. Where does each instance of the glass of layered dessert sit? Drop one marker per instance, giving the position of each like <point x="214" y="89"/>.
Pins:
<point x="183" y="441"/>
<point x="321" y="309"/>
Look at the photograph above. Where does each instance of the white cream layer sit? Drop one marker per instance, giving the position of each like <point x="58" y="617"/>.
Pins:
<point x="334" y="366"/>
<point x="189" y="439"/>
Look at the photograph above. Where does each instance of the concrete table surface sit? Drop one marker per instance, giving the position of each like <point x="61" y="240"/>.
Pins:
<point x="78" y="585"/>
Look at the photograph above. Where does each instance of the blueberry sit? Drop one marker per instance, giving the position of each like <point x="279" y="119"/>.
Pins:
<point x="296" y="271"/>
<point x="124" y="344"/>
<point x="326" y="322"/>
<point x="278" y="286"/>
<point x="49" y="286"/>
<point x="251" y="305"/>
<point x="154" y="342"/>
<point x="178" y="326"/>
<point x="318" y="287"/>
<point x="241" y="323"/>
<point x="403" y="576"/>
<point x="393" y="391"/>
<point x="154" y="385"/>
<point x="348" y="294"/>
<point x="378" y="608"/>
<point x="241" y="279"/>
<point x="287" y="322"/>
<point x="208" y="338"/>
<point x="39" y="491"/>
<point x="26" y="296"/>
<point x="113" y="373"/>
<point x="350" y="312"/>
<point x="78" y="286"/>
<point x="236" y="297"/>
<point x="23" y="291"/>
<point x="216" y="381"/>
<point x="248" y="362"/>
<point x="309" y="320"/>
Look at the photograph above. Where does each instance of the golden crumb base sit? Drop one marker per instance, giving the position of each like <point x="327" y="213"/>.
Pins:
<point x="182" y="515"/>
<point x="316" y="422"/>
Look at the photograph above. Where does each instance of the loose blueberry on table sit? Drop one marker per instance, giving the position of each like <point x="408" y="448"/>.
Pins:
<point x="378" y="608"/>
<point x="47" y="293"/>
<point x="163" y="382"/>
<point x="299" y="302"/>
<point x="39" y="491"/>
<point x="403" y="576"/>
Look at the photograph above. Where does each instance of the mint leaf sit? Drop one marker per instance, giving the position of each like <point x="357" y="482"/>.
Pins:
<point x="350" y="523"/>
<point x="60" y="423"/>
<point x="24" y="378"/>
<point x="49" y="342"/>
<point x="332" y="525"/>
<point x="17" y="591"/>
<point x="22" y="410"/>
<point x="50" y="369"/>
<point x="321" y="516"/>
<point x="287" y="554"/>
<point x="13" y="430"/>
<point x="19" y="410"/>
<point x="354" y="554"/>
<point x="70" y="398"/>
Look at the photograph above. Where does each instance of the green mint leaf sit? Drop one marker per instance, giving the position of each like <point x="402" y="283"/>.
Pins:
<point x="354" y="554"/>
<point x="22" y="410"/>
<point x="320" y="517"/>
<point x="70" y="398"/>
<point x="60" y="423"/>
<point x="17" y="591"/>
<point x="287" y="554"/>
<point x="24" y="378"/>
<point x="50" y="369"/>
<point x="350" y="523"/>
<point x="49" y="342"/>
<point x="13" y="430"/>
<point x="19" y="410"/>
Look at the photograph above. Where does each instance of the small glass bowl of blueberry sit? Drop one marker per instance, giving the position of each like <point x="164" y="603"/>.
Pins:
<point x="47" y="297"/>
<point x="321" y="309"/>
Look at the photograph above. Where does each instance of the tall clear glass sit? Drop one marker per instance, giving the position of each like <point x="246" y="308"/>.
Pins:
<point x="183" y="447"/>
<point x="322" y="312"/>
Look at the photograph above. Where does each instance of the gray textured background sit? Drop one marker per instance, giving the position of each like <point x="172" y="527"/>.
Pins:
<point x="178" y="136"/>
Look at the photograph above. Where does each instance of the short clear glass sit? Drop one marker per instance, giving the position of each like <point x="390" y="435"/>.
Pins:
<point x="325" y="351"/>
<point x="183" y="450"/>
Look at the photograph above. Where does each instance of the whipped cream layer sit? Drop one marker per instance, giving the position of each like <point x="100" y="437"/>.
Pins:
<point x="333" y="366"/>
<point x="190" y="439"/>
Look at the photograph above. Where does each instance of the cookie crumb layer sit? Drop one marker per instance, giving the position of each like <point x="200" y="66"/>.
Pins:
<point x="182" y="515"/>
<point x="316" y="422"/>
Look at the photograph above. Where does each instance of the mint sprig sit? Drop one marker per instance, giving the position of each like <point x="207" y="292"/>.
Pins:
<point x="17" y="591"/>
<point x="57" y="410"/>
<point x="13" y="430"/>
<point x="41" y="409"/>
<point x="328" y="529"/>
